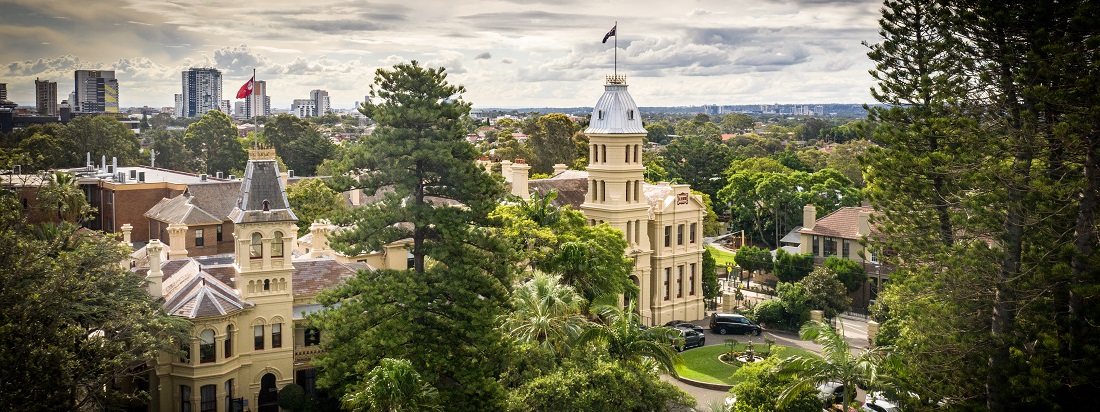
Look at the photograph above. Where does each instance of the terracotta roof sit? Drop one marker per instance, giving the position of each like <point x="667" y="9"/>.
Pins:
<point x="311" y="276"/>
<point x="181" y="209"/>
<point x="843" y="223"/>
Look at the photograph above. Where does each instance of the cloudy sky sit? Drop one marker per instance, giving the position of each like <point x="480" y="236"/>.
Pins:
<point x="507" y="53"/>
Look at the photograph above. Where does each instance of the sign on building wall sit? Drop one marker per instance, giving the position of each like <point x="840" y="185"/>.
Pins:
<point x="682" y="198"/>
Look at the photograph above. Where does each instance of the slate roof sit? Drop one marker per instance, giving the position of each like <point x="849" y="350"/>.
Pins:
<point x="181" y="209"/>
<point x="216" y="198"/>
<point x="571" y="192"/>
<point x="203" y="295"/>
<point x="843" y="223"/>
<point x="311" y="276"/>
<point x="261" y="183"/>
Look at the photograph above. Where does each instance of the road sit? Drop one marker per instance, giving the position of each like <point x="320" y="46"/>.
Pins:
<point x="854" y="329"/>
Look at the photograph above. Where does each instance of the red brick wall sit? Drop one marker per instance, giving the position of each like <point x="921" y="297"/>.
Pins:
<point x="130" y="205"/>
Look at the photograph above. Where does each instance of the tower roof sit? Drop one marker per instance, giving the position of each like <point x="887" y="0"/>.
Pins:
<point x="615" y="112"/>
<point x="262" y="197"/>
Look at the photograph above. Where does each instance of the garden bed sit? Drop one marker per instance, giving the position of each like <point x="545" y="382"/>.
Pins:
<point x="702" y="364"/>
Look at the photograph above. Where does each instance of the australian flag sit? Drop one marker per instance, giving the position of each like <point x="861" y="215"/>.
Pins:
<point x="610" y="33"/>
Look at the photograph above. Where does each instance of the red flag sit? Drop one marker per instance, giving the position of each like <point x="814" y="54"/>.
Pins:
<point x="246" y="89"/>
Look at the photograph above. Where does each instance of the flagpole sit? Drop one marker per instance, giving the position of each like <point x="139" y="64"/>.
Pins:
<point x="616" y="49"/>
<point x="255" y="124"/>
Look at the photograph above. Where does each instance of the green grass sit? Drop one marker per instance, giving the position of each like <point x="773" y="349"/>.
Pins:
<point x="702" y="364"/>
<point x="721" y="258"/>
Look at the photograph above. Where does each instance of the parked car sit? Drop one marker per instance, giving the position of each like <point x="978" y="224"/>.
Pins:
<point x="877" y="402"/>
<point x="830" y="393"/>
<point x="682" y="324"/>
<point x="689" y="338"/>
<point x="723" y="323"/>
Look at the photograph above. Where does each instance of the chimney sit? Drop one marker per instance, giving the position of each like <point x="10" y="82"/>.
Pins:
<point x="282" y="177"/>
<point x="88" y="159"/>
<point x="809" y="216"/>
<point x="155" y="276"/>
<point x="863" y="223"/>
<point x="519" y="179"/>
<point x="319" y="245"/>
<point x="177" y="241"/>
<point x="103" y="162"/>
<point x="506" y="170"/>
<point x="114" y="165"/>
<point x="355" y="196"/>
<point x="559" y="168"/>
<point x="126" y="229"/>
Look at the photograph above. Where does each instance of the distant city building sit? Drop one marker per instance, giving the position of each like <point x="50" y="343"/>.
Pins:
<point x="320" y="102"/>
<point x="179" y="106"/>
<point x="3" y="91"/>
<point x="225" y="107"/>
<point x="96" y="91"/>
<point x="202" y="91"/>
<point x="45" y="97"/>
<point x="303" y="108"/>
<point x="262" y="104"/>
<point x="238" y="110"/>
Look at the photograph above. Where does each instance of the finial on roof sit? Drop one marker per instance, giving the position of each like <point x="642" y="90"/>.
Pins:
<point x="261" y="154"/>
<point x="616" y="79"/>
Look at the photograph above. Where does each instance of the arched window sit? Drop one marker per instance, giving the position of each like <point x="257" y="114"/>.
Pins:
<point x="627" y="153"/>
<point x="267" y="285"/>
<point x="206" y="346"/>
<point x="256" y="251"/>
<point x="258" y="335"/>
<point x="277" y="245"/>
<point x="595" y="153"/>
<point x="628" y="184"/>
<point x="228" y="341"/>
<point x="603" y="152"/>
<point x="276" y="335"/>
<point x="603" y="191"/>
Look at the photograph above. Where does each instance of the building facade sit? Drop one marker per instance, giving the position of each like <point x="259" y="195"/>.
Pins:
<point x="258" y="103"/>
<point x="202" y="91"/>
<point x="303" y="108"/>
<point x="45" y="97"/>
<point x="96" y="91"/>
<point x="320" y="99"/>
<point x="246" y="307"/>
<point x="844" y="234"/>
<point x="662" y="223"/>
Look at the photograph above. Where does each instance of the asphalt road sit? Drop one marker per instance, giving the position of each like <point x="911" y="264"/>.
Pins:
<point x="855" y="330"/>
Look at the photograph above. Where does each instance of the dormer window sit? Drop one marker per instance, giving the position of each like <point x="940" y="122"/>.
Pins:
<point x="630" y="115"/>
<point x="266" y="208"/>
<point x="600" y="112"/>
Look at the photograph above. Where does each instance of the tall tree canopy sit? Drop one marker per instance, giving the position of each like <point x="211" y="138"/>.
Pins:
<point x="987" y="184"/>
<point x="298" y="143"/>
<point x="213" y="142"/>
<point x="74" y="322"/>
<point x="441" y="317"/>
<point x="552" y="142"/>
<point x="103" y="136"/>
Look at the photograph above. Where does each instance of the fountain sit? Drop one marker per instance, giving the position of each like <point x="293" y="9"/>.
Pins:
<point x="749" y="355"/>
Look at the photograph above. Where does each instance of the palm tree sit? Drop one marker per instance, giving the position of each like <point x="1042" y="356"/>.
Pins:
<point x="60" y="194"/>
<point x="837" y="364"/>
<point x="393" y="386"/>
<point x="621" y="331"/>
<point x="546" y="312"/>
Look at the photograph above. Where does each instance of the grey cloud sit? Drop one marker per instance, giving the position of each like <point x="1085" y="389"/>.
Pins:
<point x="699" y="12"/>
<point x="507" y="61"/>
<point x="526" y="20"/>
<point x="50" y="66"/>
<point x="239" y="60"/>
<point x="483" y="56"/>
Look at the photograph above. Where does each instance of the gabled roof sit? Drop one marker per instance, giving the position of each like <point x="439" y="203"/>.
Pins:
<point x="792" y="236"/>
<point x="660" y="196"/>
<point x="181" y="209"/>
<point x="571" y="185"/>
<point x="843" y="223"/>
<point x="216" y="198"/>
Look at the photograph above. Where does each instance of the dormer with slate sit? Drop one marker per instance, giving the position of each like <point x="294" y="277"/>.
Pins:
<point x="264" y="228"/>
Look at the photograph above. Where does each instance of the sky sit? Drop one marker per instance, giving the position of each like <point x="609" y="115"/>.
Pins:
<point x="506" y="53"/>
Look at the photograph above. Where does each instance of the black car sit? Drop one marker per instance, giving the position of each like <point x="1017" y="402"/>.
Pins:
<point x="689" y="338"/>
<point x="682" y="324"/>
<point x="723" y="323"/>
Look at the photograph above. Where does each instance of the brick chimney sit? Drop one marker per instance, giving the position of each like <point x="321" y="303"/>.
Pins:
<point x="155" y="277"/>
<point x="177" y="241"/>
<point x="519" y="179"/>
<point x="809" y="216"/>
<point x="506" y="170"/>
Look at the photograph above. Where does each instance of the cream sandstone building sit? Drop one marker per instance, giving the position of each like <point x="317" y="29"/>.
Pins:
<point x="662" y="223"/>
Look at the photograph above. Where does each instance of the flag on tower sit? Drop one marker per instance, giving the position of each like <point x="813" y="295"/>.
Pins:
<point x="246" y="89"/>
<point x="610" y="33"/>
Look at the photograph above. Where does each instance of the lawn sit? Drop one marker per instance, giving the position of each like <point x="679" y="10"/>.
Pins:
<point x="721" y="258"/>
<point x="702" y="364"/>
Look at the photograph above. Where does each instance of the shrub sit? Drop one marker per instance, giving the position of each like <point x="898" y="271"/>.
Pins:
<point x="770" y="312"/>
<point x="292" y="397"/>
<point x="760" y="387"/>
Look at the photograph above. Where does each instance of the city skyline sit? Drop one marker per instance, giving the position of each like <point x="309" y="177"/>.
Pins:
<point x="508" y="53"/>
